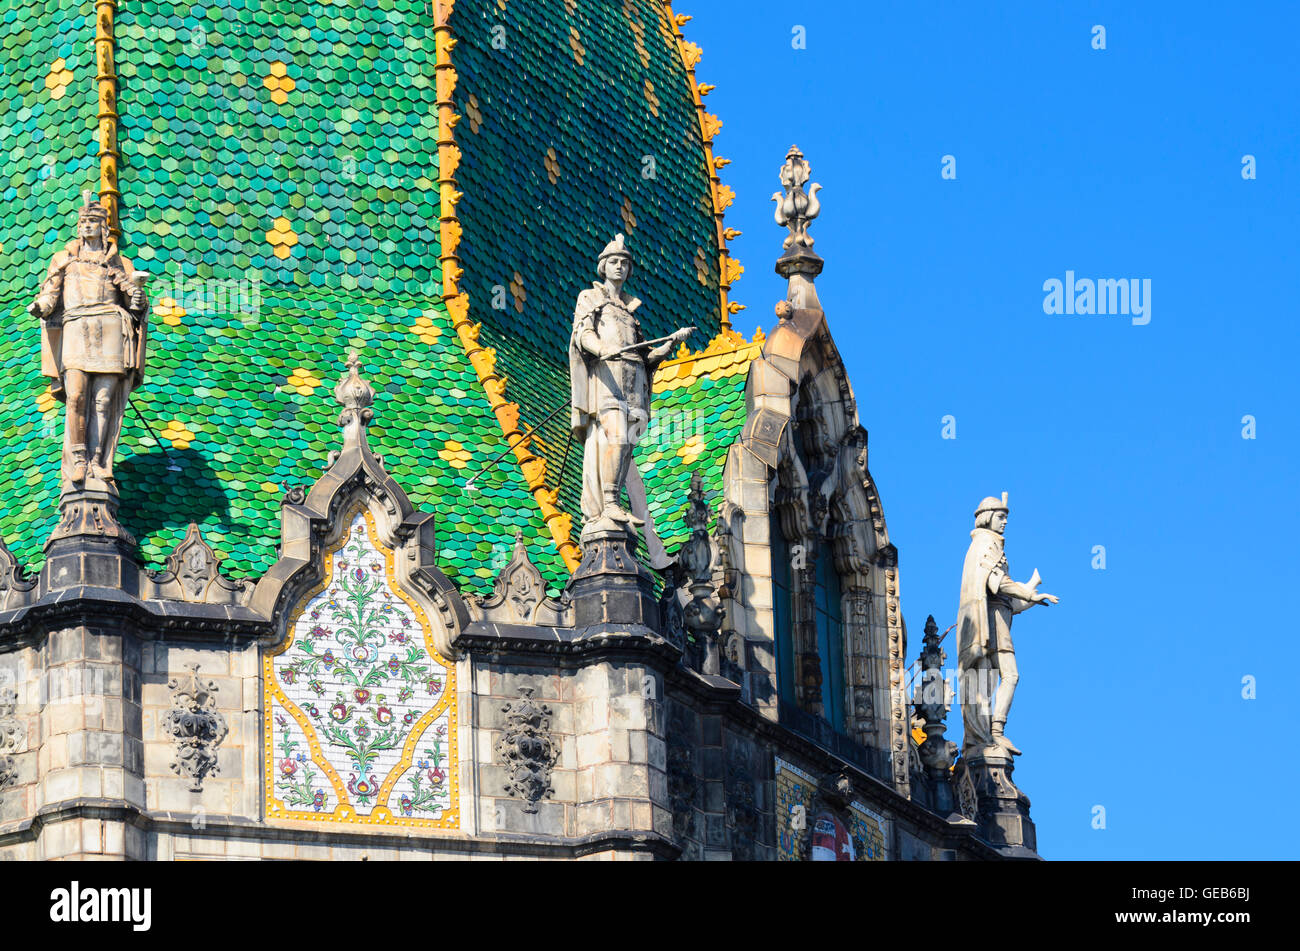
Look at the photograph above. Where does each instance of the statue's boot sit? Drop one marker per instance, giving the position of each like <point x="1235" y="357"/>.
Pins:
<point x="101" y="471"/>
<point x="617" y="513"/>
<point x="1001" y="740"/>
<point x="78" y="473"/>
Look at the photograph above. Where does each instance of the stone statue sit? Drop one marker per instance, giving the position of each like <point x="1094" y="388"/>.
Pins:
<point x="989" y="598"/>
<point x="611" y="365"/>
<point x="93" y="310"/>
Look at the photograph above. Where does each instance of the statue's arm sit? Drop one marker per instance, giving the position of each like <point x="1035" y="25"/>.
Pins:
<point x="1016" y="591"/>
<point x="665" y="350"/>
<point x="51" y="290"/>
<point x="584" y="328"/>
<point x="134" y="293"/>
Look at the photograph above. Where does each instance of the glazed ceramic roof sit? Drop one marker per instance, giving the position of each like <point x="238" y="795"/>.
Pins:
<point x="280" y="180"/>
<point x="699" y="411"/>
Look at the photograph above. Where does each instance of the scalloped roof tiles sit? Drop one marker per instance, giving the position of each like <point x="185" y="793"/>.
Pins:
<point x="562" y="151"/>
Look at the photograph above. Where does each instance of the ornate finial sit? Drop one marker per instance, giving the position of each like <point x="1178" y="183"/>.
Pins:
<point x="355" y="395"/>
<point x="932" y="701"/>
<point x="794" y="209"/>
<point x="703" y="614"/>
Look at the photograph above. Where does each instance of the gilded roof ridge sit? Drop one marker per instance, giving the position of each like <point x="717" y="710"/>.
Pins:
<point x="729" y="269"/>
<point x="483" y="359"/>
<point x="726" y="354"/>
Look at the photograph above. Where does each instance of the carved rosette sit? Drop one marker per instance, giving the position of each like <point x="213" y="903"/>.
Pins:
<point x="195" y="725"/>
<point x="527" y="750"/>
<point x="11" y="737"/>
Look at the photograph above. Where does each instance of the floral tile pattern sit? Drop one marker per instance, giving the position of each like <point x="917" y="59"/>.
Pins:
<point x="360" y="722"/>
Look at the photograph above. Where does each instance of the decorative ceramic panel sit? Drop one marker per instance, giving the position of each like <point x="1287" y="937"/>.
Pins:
<point x="811" y="829"/>
<point x="360" y="709"/>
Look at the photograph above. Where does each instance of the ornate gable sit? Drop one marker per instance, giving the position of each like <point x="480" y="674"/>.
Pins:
<point x="359" y="691"/>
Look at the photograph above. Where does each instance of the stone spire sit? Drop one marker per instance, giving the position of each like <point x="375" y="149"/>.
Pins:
<point x="703" y="614"/>
<point x="932" y="701"/>
<point x="795" y="210"/>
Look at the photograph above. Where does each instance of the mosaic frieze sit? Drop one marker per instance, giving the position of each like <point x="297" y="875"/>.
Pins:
<point x="811" y="828"/>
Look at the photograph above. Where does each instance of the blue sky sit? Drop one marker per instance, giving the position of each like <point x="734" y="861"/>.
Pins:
<point x="1116" y="163"/>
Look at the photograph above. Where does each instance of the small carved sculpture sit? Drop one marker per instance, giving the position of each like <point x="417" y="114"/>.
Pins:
<point x="93" y="314"/>
<point x="989" y="599"/>
<point x="967" y="799"/>
<point x="11" y="737"/>
<point x="796" y="210"/>
<point x="527" y="750"/>
<point x="611" y="365"/>
<point x="195" y="725"/>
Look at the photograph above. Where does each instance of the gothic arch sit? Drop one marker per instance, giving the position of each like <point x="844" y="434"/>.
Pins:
<point x="800" y="467"/>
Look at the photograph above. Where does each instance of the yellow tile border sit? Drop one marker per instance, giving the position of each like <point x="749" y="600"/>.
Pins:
<point x="483" y="359"/>
<point x="688" y="366"/>
<point x="729" y="269"/>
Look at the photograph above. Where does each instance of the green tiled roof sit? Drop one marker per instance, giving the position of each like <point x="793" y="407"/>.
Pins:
<point x="557" y="129"/>
<point x="47" y="136"/>
<point x="339" y="171"/>
<point x="279" y="178"/>
<point x="699" y="412"/>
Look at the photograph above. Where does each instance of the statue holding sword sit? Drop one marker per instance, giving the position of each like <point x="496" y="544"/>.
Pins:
<point x="611" y="365"/>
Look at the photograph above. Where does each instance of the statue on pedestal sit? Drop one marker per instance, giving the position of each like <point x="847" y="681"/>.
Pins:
<point x="989" y="599"/>
<point x="93" y="311"/>
<point x="611" y="365"/>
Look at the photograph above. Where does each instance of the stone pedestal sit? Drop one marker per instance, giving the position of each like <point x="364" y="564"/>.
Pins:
<point x="1003" y="812"/>
<point x="88" y="547"/>
<point x="610" y="585"/>
<point x="800" y="267"/>
<point x="937" y="754"/>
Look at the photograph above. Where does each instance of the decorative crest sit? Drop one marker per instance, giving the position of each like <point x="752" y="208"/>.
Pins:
<point x="527" y="750"/>
<point x="519" y="594"/>
<point x="193" y="574"/>
<point x="795" y="210"/>
<point x="195" y="725"/>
